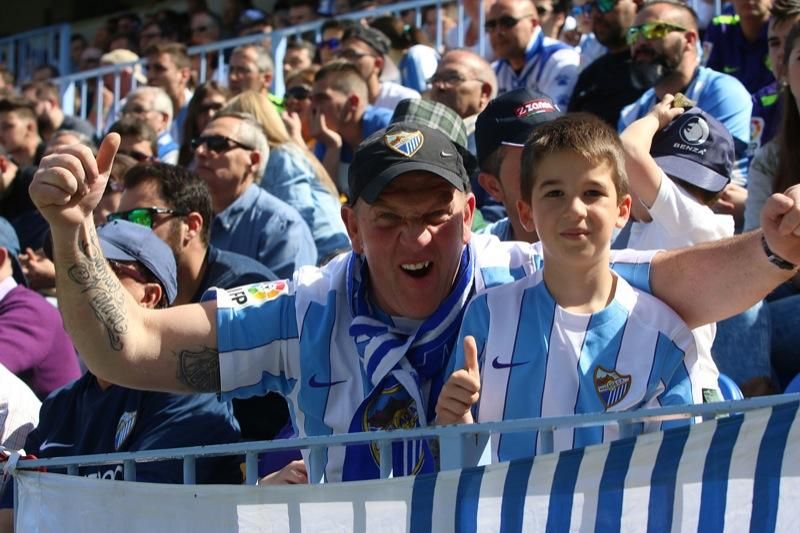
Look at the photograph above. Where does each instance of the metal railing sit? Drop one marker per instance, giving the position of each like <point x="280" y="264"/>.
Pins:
<point x="23" y="52"/>
<point x="451" y="440"/>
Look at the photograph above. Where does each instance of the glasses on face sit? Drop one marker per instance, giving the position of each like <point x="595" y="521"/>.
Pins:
<point x="135" y="110"/>
<point x="218" y="143"/>
<point x="651" y="30"/>
<point x="114" y="185"/>
<point x="144" y="215"/>
<point x="542" y="11"/>
<point x="449" y="79"/>
<point x="299" y="92"/>
<point x="603" y="6"/>
<point x="130" y="270"/>
<point x="333" y="43"/>
<point x="351" y="55"/>
<point x="137" y="155"/>
<point x="506" y="22"/>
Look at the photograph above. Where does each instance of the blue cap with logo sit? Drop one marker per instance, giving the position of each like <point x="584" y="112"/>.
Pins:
<point x="696" y="148"/>
<point x="10" y="241"/>
<point x="121" y="240"/>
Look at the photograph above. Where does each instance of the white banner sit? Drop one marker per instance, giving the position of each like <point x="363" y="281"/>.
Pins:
<point x="733" y="474"/>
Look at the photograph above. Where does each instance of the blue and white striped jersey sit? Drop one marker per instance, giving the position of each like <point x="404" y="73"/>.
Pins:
<point x="550" y="67"/>
<point x="538" y="360"/>
<point x="293" y="337"/>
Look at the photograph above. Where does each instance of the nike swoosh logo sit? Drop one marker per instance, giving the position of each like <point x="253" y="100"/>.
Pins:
<point x="446" y="154"/>
<point x="322" y="384"/>
<point x="499" y="365"/>
<point x="47" y="444"/>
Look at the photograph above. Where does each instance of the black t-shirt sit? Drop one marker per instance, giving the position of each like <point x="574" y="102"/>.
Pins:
<point x="606" y="86"/>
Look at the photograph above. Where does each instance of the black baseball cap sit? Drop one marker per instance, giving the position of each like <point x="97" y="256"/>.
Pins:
<point x="374" y="38"/>
<point x="696" y="148"/>
<point x="510" y="118"/>
<point x="399" y="148"/>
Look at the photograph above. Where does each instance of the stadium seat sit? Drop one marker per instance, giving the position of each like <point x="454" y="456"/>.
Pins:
<point x="730" y="390"/>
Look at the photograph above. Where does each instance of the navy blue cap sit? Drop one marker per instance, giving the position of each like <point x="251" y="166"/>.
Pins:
<point x="509" y="120"/>
<point x="10" y="241"/>
<point x="696" y="148"/>
<point x="121" y="240"/>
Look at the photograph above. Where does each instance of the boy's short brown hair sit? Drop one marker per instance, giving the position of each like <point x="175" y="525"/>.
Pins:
<point x="582" y="133"/>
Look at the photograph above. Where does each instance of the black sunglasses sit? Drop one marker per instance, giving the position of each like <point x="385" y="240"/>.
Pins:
<point x="218" y="143"/>
<point x="298" y="92"/>
<point x="136" y="154"/>
<point x="506" y="22"/>
<point x="332" y="43"/>
<point x="144" y="215"/>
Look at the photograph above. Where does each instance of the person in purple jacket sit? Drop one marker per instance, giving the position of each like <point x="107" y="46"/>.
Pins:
<point x="33" y="343"/>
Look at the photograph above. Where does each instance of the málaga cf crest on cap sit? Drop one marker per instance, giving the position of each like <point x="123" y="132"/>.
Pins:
<point x="405" y="142"/>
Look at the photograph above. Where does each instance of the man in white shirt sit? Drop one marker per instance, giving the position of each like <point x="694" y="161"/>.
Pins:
<point x="526" y="58"/>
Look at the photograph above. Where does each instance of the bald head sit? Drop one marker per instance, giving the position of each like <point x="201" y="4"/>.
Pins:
<point x="675" y="12"/>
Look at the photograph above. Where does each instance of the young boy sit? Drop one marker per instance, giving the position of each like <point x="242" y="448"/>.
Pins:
<point x="573" y="337"/>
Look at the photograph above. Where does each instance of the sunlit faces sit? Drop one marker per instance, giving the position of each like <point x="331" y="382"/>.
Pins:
<point x="227" y="173"/>
<point x="511" y="41"/>
<point x="575" y="208"/>
<point x="455" y="85"/>
<point x="140" y="105"/>
<point x="168" y="228"/>
<point x="162" y="72"/>
<point x="333" y="104"/>
<point x="667" y="51"/>
<point x="611" y="27"/>
<point x="758" y="9"/>
<point x="777" y="32"/>
<point x="15" y="131"/>
<point x="243" y="73"/>
<point x="412" y="237"/>
<point x="212" y="103"/>
<point x="360" y="54"/>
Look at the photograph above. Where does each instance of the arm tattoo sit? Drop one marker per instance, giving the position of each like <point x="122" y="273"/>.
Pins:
<point x="199" y="369"/>
<point x="106" y="297"/>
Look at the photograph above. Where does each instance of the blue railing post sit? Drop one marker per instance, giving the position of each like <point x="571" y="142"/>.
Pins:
<point x="189" y="470"/>
<point x="251" y="468"/>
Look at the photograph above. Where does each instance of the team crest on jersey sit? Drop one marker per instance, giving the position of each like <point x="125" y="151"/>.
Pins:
<point x="259" y="292"/>
<point x="124" y="428"/>
<point x="393" y="408"/>
<point x="405" y="142"/>
<point x="611" y="386"/>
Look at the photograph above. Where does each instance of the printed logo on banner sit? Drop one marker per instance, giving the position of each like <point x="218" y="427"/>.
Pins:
<point x="611" y="386"/>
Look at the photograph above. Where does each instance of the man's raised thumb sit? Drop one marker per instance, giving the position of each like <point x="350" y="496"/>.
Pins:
<point x="107" y="152"/>
<point x="471" y="356"/>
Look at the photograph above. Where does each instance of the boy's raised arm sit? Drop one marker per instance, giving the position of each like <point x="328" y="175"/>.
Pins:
<point x="172" y="349"/>
<point x="644" y="174"/>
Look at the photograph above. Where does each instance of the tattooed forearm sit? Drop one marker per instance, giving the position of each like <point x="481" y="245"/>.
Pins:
<point x="199" y="369"/>
<point x="106" y="299"/>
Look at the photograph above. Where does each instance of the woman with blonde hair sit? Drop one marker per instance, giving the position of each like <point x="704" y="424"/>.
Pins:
<point x="295" y="176"/>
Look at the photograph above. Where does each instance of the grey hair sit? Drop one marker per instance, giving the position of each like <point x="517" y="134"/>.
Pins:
<point x="81" y="137"/>
<point x="263" y="56"/>
<point x="161" y="100"/>
<point x="252" y="134"/>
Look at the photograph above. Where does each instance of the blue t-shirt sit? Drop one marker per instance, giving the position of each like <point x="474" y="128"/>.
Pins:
<point x="82" y="419"/>
<point x="539" y="360"/>
<point x="731" y="53"/>
<point x="767" y="116"/>
<point x="228" y="269"/>
<point x="264" y="228"/>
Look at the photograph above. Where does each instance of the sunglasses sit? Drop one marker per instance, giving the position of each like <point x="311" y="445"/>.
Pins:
<point x="449" y="79"/>
<point x="136" y="154"/>
<point x="144" y="215"/>
<point x="129" y="270"/>
<point x="333" y="43"/>
<point x="218" y="143"/>
<point x="651" y="30"/>
<point x="113" y="185"/>
<point x="351" y="55"/>
<point x="298" y="92"/>
<point x="603" y="6"/>
<point x="506" y="22"/>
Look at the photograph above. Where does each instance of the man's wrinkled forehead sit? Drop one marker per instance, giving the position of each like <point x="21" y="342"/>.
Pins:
<point x="414" y="184"/>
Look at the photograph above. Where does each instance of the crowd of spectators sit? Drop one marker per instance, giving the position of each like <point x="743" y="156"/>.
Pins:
<point x="243" y="185"/>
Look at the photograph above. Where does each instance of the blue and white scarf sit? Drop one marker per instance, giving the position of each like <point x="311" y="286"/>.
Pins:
<point x="398" y="366"/>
